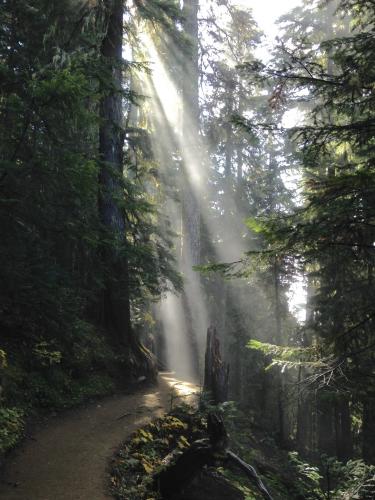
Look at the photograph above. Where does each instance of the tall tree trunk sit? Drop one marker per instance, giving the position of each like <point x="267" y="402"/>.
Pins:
<point x="191" y="219"/>
<point x="368" y="430"/>
<point x="283" y="431"/>
<point x="116" y="302"/>
<point x="306" y="410"/>
<point x="325" y="423"/>
<point x="111" y="138"/>
<point x="304" y="420"/>
<point x="344" y="441"/>
<point x="190" y="132"/>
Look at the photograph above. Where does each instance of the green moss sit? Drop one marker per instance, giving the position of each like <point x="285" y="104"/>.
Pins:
<point x="141" y="456"/>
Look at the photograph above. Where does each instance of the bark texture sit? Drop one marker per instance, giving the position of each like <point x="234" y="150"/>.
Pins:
<point x="191" y="217"/>
<point x="343" y="430"/>
<point x="115" y="310"/>
<point x="216" y="372"/>
<point x="368" y="431"/>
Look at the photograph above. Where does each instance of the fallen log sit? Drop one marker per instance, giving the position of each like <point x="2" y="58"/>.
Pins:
<point x="178" y="474"/>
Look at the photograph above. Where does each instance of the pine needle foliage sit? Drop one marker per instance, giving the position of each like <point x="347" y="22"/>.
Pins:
<point x="53" y="78"/>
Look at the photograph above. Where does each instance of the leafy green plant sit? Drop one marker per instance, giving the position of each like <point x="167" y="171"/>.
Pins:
<point x="308" y="478"/>
<point x="354" y="480"/>
<point x="44" y="352"/>
<point x="11" y="428"/>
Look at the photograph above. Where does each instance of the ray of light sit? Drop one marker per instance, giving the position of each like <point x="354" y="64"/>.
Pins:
<point x="160" y="86"/>
<point x="166" y="106"/>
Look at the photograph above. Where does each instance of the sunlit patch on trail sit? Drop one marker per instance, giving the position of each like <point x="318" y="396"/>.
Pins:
<point x="182" y="390"/>
<point x="151" y="400"/>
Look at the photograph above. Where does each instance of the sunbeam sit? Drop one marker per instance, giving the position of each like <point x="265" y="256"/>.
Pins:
<point x="168" y="112"/>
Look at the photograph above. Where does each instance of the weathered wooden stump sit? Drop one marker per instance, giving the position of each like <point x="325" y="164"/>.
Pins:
<point x="216" y="372"/>
<point x="187" y="475"/>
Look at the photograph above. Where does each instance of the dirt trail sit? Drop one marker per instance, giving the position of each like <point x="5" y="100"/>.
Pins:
<point x="67" y="458"/>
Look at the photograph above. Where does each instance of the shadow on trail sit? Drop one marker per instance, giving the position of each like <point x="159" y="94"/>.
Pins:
<point x="67" y="458"/>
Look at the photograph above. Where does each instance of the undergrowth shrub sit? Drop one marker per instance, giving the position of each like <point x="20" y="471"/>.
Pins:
<point x="11" y="428"/>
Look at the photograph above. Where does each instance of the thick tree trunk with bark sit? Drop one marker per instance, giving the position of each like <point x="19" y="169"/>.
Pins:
<point x="325" y="423"/>
<point x="305" y="415"/>
<point x="191" y="217"/>
<point x="306" y="410"/>
<point x="190" y="132"/>
<point x="343" y="430"/>
<point x="283" y="430"/>
<point x="115" y="310"/>
<point x="368" y="430"/>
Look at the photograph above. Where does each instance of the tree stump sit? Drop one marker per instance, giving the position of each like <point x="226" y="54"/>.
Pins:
<point x="216" y="372"/>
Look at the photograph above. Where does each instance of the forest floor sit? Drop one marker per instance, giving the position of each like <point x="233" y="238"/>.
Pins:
<point x="67" y="457"/>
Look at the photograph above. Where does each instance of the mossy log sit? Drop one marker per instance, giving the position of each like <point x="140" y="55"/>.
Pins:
<point x="178" y="475"/>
